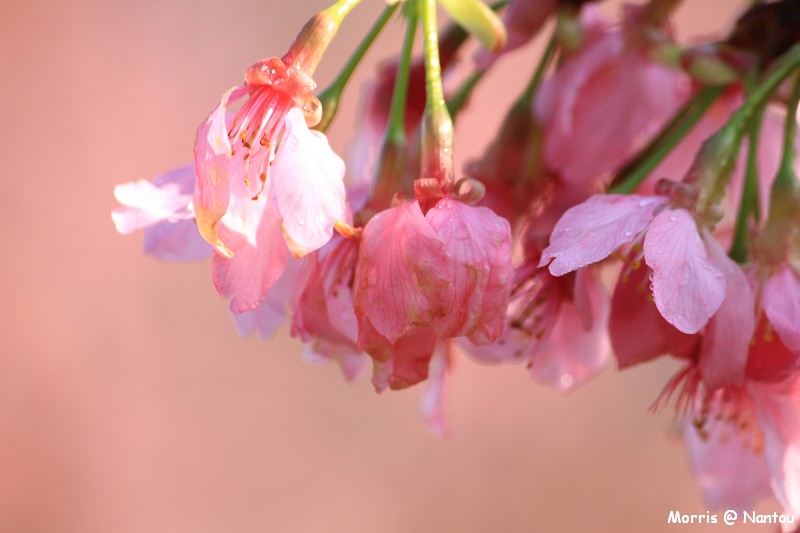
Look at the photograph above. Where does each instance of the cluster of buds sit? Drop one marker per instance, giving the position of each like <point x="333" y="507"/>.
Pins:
<point x="639" y="200"/>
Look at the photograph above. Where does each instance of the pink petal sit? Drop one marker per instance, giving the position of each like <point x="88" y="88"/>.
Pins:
<point x="687" y="286"/>
<point x="313" y="317"/>
<point x="778" y="415"/>
<point x="432" y="403"/>
<point x="573" y="351"/>
<point x="591" y="231"/>
<point x="769" y="359"/>
<point x="402" y="277"/>
<point x="270" y="314"/>
<point x="781" y="302"/>
<point x="258" y="262"/>
<point x="726" y="341"/>
<point x="351" y="362"/>
<point x="212" y="157"/>
<point x="637" y="330"/>
<point x="478" y="248"/>
<point x="730" y="472"/>
<point x="403" y="363"/>
<point x="306" y="179"/>
<point x="176" y="241"/>
<point x="146" y="204"/>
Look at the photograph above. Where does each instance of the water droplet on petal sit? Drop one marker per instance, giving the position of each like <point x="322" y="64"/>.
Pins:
<point x="628" y="233"/>
<point x="301" y="221"/>
<point x="566" y="381"/>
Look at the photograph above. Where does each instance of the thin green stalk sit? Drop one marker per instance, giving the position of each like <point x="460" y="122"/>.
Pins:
<point x="714" y="164"/>
<point x="790" y="132"/>
<point x="437" y="138"/>
<point x="750" y="201"/>
<point x="331" y="96"/>
<point x="460" y="98"/>
<point x="654" y="153"/>
<point x="526" y="98"/>
<point x="391" y="162"/>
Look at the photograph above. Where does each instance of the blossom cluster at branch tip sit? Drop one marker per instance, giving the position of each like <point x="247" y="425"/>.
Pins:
<point x="638" y="200"/>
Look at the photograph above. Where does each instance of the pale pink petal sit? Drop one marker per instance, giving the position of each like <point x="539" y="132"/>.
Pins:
<point x="145" y="204"/>
<point x="637" y="330"/>
<point x="306" y="180"/>
<point x="778" y="415"/>
<point x="726" y="341"/>
<point x="687" y="286"/>
<point x="258" y="262"/>
<point x="731" y="472"/>
<point x="781" y="302"/>
<point x="402" y="274"/>
<point x="591" y="231"/>
<point x="270" y="314"/>
<point x="212" y="157"/>
<point x="478" y="248"/>
<point x="176" y="241"/>
<point x="350" y="361"/>
<point x="434" y="397"/>
<point x="573" y="351"/>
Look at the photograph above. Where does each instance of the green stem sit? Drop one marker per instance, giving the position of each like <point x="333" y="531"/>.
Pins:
<point x="331" y="96"/>
<point x="654" y="153"/>
<point x="750" y="201"/>
<point x="459" y="100"/>
<point x="526" y="98"/>
<point x="395" y="129"/>
<point x="790" y="132"/>
<point x="437" y="139"/>
<point x="392" y="159"/>
<point x="714" y="163"/>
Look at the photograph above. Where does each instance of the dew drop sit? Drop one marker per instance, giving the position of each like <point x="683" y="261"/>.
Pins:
<point x="566" y="380"/>
<point x="301" y="221"/>
<point x="628" y="233"/>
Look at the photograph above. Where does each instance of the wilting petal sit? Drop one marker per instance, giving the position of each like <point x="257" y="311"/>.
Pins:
<point x="781" y="302"/>
<point x="731" y="472"/>
<point x="306" y="180"/>
<point x="259" y="261"/>
<point x="574" y="349"/>
<point x="212" y="157"/>
<point x="403" y="363"/>
<point x="687" y="286"/>
<point x="432" y="403"/>
<point x="726" y="342"/>
<point x="478" y="247"/>
<point x="402" y="277"/>
<point x="637" y="330"/>
<point x="591" y="231"/>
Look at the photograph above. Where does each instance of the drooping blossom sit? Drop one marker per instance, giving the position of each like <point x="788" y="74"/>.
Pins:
<point x="280" y="187"/>
<point x="443" y="274"/>
<point x="692" y="277"/>
<point x="608" y="99"/>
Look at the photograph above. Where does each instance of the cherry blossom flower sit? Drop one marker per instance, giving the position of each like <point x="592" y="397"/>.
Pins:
<point x="609" y="98"/>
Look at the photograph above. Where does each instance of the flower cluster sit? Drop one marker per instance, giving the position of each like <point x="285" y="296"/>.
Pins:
<point x="640" y="199"/>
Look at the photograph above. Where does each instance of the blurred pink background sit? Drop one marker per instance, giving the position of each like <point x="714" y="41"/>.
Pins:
<point x="129" y="404"/>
